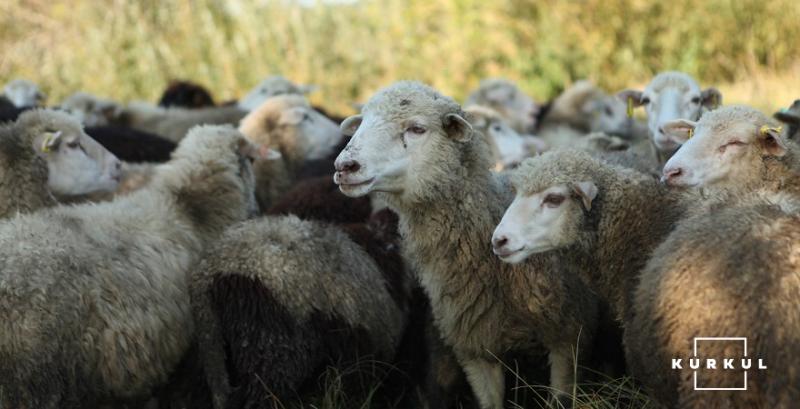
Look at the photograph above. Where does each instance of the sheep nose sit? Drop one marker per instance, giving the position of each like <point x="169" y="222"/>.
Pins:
<point x="499" y="242"/>
<point x="348" y="166"/>
<point x="670" y="174"/>
<point x="661" y="130"/>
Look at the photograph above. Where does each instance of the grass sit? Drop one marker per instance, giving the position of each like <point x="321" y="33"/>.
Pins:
<point x="131" y="49"/>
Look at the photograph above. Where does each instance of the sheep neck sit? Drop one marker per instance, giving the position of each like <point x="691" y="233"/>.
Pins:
<point x="24" y="185"/>
<point x="478" y="302"/>
<point x="630" y="221"/>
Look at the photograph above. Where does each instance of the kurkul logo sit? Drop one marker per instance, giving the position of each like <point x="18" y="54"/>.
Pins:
<point x="743" y="363"/>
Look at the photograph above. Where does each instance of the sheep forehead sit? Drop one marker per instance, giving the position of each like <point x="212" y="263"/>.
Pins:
<point x="738" y="119"/>
<point x="554" y="168"/>
<point x="406" y="99"/>
<point x="672" y="80"/>
<point x="41" y="119"/>
<point x="210" y="142"/>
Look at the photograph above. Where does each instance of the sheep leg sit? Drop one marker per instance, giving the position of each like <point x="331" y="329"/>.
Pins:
<point x="561" y="374"/>
<point x="487" y="381"/>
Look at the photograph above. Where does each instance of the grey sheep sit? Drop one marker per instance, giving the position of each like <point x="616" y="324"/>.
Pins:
<point x="95" y="297"/>
<point x="45" y="154"/>
<point x="413" y="148"/>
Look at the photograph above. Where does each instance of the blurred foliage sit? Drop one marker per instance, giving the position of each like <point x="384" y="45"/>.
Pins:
<point x="131" y="49"/>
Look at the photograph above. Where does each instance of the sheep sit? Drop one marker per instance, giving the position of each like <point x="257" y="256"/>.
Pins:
<point x="670" y="95"/>
<point x="131" y="145"/>
<point x="23" y="94"/>
<point x="169" y="123"/>
<point x="732" y="150"/>
<point x="270" y="87"/>
<point x="280" y="298"/>
<point x="45" y="154"/>
<point x="584" y="108"/>
<point x="791" y="117"/>
<point x="288" y="124"/>
<point x="185" y="94"/>
<point x="173" y="123"/>
<point x="518" y="109"/>
<point x="90" y="110"/>
<point x="412" y="148"/>
<point x="601" y="221"/>
<point x="97" y="294"/>
<point x="727" y="273"/>
<point x="508" y="147"/>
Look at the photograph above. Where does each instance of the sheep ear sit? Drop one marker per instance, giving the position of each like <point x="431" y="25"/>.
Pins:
<point x="351" y="124"/>
<point x="587" y="192"/>
<point x="679" y="130"/>
<point x="632" y="95"/>
<point x="48" y="141"/>
<point x="457" y="127"/>
<point x="771" y="141"/>
<point x="711" y="98"/>
<point x="789" y="115"/>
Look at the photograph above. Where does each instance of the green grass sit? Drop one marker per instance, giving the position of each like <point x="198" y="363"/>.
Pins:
<point x="131" y="49"/>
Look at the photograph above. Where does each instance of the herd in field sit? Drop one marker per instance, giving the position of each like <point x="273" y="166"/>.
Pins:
<point x="196" y="254"/>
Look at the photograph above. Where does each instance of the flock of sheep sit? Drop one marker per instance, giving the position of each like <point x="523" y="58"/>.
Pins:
<point x="195" y="255"/>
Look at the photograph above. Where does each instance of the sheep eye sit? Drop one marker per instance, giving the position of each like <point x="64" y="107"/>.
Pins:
<point x="609" y="112"/>
<point x="645" y="101"/>
<point x="553" y="200"/>
<point x="416" y="129"/>
<point x="73" y="144"/>
<point x="497" y="128"/>
<point x="731" y="143"/>
<point x="696" y="100"/>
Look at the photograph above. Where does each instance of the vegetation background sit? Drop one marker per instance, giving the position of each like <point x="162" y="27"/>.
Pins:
<point x="128" y="50"/>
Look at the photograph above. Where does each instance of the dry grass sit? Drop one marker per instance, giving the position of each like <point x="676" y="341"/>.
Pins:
<point x="131" y="49"/>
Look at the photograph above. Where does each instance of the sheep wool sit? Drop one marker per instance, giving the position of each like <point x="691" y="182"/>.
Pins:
<point x="96" y="295"/>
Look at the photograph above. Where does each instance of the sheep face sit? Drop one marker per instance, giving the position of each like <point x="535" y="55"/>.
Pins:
<point x="608" y="115"/>
<point x="270" y="87"/>
<point x="517" y="108"/>
<point x="670" y="96"/>
<point x="89" y="110"/>
<point x="724" y="149"/>
<point x="404" y="131"/>
<point x="76" y="163"/>
<point x="512" y="147"/>
<point x="312" y="130"/>
<point x="542" y="221"/>
<point x="24" y="93"/>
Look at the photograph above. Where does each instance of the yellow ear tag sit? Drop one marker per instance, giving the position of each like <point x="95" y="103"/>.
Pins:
<point x="691" y="133"/>
<point x="48" y="137"/>
<point x="765" y="129"/>
<point x="630" y="107"/>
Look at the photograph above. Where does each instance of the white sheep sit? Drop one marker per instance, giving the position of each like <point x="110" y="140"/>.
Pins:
<point x="670" y="95"/>
<point x="735" y="149"/>
<point x="413" y="148"/>
<point x="518" y="109"/>
<point x="89" y="109"/>
<point x="23" y="93"/>
<point x="270" y="87"/>
<point x="45" y="154"/>
<point x="95" y="297"/>
<point x="601" y="221"/>
<point x="508" y="147"/>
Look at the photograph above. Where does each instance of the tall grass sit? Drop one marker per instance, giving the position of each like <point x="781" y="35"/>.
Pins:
<point x="130" y="49"/>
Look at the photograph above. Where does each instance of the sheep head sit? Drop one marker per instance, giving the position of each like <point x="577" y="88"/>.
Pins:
<point x="517" y="108"/>
<point x="406" y="138"/>
<point x="726" y="148"/>
<point x="76" y="163"/>
<point x="554" y="194"/>
<point x="670" y="96"/>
